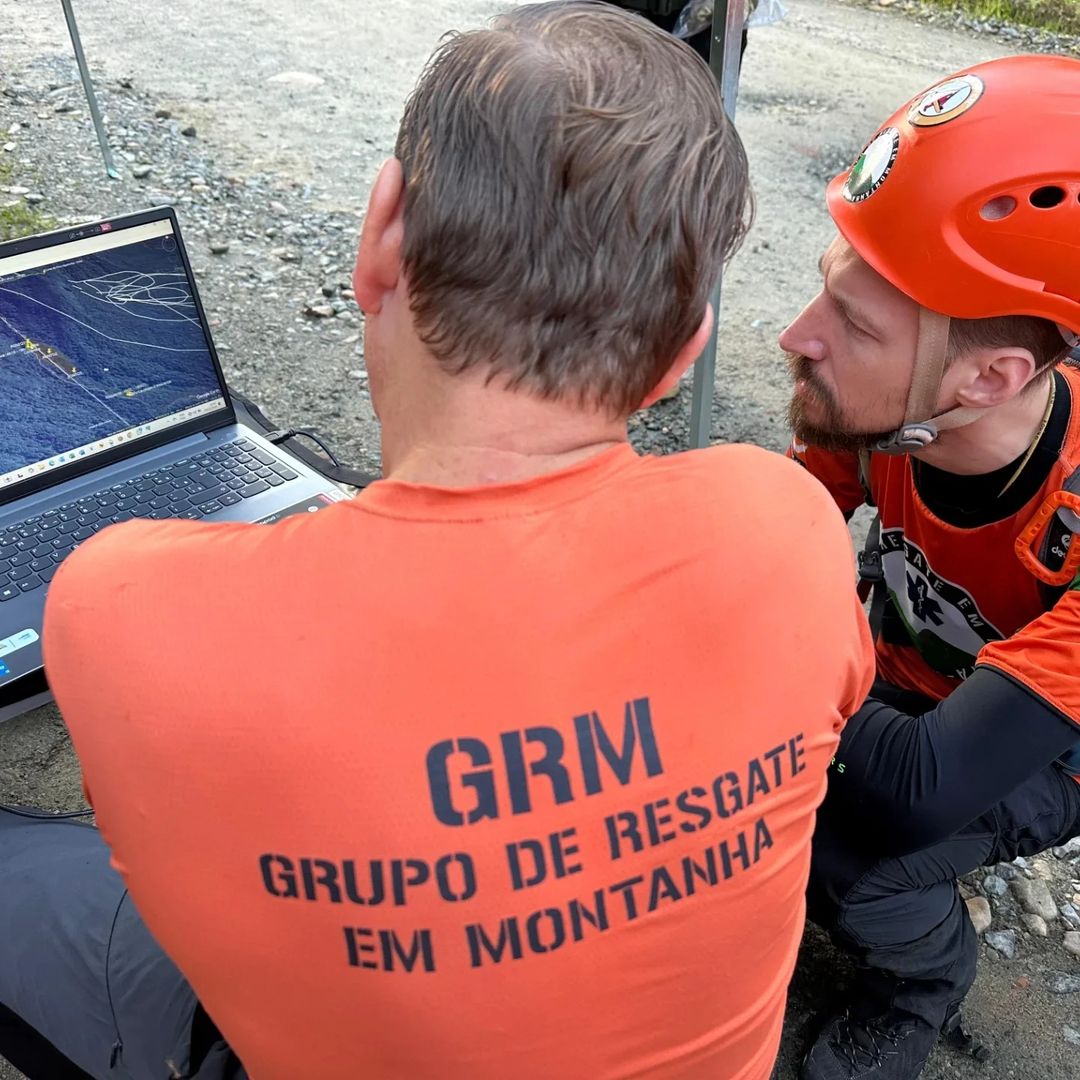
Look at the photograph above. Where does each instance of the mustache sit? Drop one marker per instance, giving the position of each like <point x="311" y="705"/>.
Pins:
<point x="801" y="367"/>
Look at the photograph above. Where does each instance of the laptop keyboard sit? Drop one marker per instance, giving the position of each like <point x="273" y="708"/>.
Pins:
<point x="196" y="487"/>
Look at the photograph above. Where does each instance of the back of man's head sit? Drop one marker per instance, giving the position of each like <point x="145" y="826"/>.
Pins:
<point x="572" y="190"/>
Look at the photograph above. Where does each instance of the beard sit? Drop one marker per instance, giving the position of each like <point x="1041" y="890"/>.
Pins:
<point x="832" y="431"/>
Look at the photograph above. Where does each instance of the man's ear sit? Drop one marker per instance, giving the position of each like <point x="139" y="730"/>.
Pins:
<point x="988" y="377"/>
<point x="683" y="359"/>
<point x="378" y="260"/>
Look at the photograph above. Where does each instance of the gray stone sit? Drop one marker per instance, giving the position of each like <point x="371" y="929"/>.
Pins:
<point x="1060" y="983"/>
<point x="1072" y="942"/>
<point x="219" y="247"/>
<point x="188" y="131"/>
<point x="140" y="172"/>
<point x="287" y="254"/>
<point x="328" y="288"/>
<point x="1035" y="897"/>
<point x="9" y="147"/>
<point x="1003" y="941"/>
<point x="1070" y="916"/>
<point x="1006" y="872"/>
<point x="1071" y="850"/>
<point x="163" y="114"/>
<point x="319" y="311"/>
<point x="1035" y="924"/>
<point x="1072" y="1036"/>
<point x="34" y="197"/>
<point x="64" y="107"/>
<point x="978" y="906"/>
<point x="992" y="885"/>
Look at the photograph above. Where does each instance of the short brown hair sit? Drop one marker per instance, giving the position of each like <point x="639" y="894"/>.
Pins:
<point x="572" y="189"/>
<point x="1040" y="337"/>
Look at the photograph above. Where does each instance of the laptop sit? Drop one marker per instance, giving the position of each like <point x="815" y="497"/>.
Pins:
<point x="113" y="407"/>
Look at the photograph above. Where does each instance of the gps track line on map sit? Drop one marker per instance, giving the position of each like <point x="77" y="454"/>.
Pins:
<point x="108" y="337"/>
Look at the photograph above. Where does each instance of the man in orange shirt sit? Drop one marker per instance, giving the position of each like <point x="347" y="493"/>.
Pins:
<point x="507" y="765"/>
<point x="930" y="382"/>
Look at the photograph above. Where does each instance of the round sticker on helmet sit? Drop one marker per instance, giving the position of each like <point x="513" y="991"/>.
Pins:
<point x="946" y="101"/>
<point x="873" y="165"/>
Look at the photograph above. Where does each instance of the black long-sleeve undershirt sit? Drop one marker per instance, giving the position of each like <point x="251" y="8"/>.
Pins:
<point x="915" y="780"/>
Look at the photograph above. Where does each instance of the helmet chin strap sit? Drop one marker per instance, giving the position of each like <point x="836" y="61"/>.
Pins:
<point x="916" y="433"/>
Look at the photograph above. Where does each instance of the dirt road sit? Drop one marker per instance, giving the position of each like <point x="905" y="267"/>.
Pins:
<point x="308" y="96"/>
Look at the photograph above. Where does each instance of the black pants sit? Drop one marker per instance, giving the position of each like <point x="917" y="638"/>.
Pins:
<point x="85" y="990"/>
<point x="903" y="916"/>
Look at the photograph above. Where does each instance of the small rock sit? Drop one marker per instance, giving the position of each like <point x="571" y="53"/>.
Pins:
<point x="64" y="107"/>
<point x="1035" y="897"/>
<point x="1070" y="916"/>
<point x="286" y="254"/>
<point x="163" y="114"/>
<point x="1072" y="942"/>
<point x="328" y="289"/>
<point x="302" y="79"/>
<point x="992" y="885"/>
<point x="348" y="294"/>
<point x="1060" y="983"/>
<point x="1020" y="862"/>
<point x="140" y="172"/>
<point x="319" y="311"/>
<point x="1035" y="924"/>
<point x="979" y="910"/>
<point x="18" y="190"/>
<point x="1071" y="850"/>
<point x="8" y="147"/>
<point x="1003" y="941"/>
<point x="1072" y="1036"/>
<point x="188" y="131"/>
<point x="219" y="247"/>
<point x="35" y="197"/>
<point x="15" y="128"/>
<point x="1006" y="872"/>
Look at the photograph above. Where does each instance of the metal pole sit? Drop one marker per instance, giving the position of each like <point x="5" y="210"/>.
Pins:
<point x="88" y="86"/>
<point x="725" y="52"/>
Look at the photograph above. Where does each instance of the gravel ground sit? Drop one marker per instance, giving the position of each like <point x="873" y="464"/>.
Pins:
<point x="263" y="124"/>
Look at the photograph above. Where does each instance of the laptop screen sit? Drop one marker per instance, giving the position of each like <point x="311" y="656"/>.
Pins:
<point x="100" y="344"/>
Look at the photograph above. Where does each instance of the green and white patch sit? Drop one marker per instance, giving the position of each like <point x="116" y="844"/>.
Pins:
<point x="872" y="166"/>
<point x="944" y="622"/>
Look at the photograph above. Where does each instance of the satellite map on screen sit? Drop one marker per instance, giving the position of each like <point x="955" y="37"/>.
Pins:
<point x="96" y="345"/>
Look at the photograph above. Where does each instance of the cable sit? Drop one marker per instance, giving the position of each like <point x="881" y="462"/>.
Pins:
<point x="44" y="815"/>
<point x="278" y="437"/>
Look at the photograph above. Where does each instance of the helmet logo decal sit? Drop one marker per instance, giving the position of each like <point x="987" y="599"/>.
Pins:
<point x="872" y="166"/>
<point x="946" y="101"/>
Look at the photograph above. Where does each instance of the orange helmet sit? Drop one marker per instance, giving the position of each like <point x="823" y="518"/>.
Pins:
<point x="968" y="198"/>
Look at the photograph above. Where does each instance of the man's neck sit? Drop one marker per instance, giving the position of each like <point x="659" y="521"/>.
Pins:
<point x="476" y="435"/>
<point x="999" y="438"/>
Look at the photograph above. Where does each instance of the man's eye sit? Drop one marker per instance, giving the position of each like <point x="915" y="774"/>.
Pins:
<point x="854" y="325"/>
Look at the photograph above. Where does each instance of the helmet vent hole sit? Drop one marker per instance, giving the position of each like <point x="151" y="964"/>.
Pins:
<point x="998" y="208"/>
<point x="1045" y="198"/>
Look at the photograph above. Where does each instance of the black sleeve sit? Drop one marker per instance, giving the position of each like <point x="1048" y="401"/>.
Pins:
<point x="915" y="780"/>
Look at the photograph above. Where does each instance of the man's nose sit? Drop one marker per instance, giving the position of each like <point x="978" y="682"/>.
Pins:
<point x="800" y="337"/>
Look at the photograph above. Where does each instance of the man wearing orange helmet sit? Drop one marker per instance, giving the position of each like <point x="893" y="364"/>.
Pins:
<point x="929" y="382"/>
